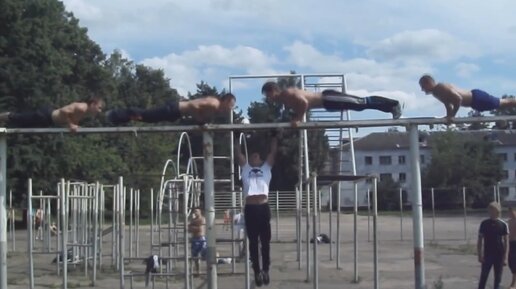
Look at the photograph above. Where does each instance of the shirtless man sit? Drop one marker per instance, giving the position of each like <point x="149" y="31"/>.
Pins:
<point x="453" y="97"/>
<point x="197" y="228"/>
<point x="68" y="116"/>
<point x="300" y="101"/>
<point x="201" y="110"/>
<point x="512" y="246"/>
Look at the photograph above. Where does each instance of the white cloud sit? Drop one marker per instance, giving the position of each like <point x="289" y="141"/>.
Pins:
<point x="211" y="63"/>
<point x="84" y="10"/>
<point x="427" y="45"/>
<point x="465" y="70"/>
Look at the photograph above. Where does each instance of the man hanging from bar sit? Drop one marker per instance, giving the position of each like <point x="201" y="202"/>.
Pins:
<point x="454" y="97"/>
<point x="69" y="115"/>
<point x="201" y="110"/>
<point x="300" y="101"/>
<point x="256" y="177"/>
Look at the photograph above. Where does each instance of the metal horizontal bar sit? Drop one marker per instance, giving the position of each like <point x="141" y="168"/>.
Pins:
<point x="263" y="126"/>
<point x="44" y="197"/>
<point x="285" y="75"/>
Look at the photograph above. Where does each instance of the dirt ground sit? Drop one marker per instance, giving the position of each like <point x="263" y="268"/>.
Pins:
<point x="450" y="260"/>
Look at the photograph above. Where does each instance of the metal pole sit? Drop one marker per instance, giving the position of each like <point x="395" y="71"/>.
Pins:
<point x="331" y="222"/>
<point x="368" y="215"/>
<point x="494" y="193"/>
<point x="298" y="225"/>
<point x="401" y="214"/>
<point x="307" y="223"/>
<point x="131" y="214"/>
<point x="138" y="224"/>
<point x="3" y="219"/>
<point x="277" y="216"/>
<point x="375" y="234"/>
<point x="209" y="202"/>
<point x="315" y="233"/>
<point x="95" y="231"/>
<point x="13" y="222"/>
<point x="339" y="194"/>
<point x="185" y="224"/>
<point x="121" y="220"/>
<point x="465" y="212"/>
<point x="65" y="189"/>
<point x="29" y="232"/>
<point x="433" y="214"/>
<point x="152" y="221"/>
<point x="417" y="210"/>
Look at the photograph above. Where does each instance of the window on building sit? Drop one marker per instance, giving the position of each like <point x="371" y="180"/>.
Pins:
<point x="385" y="160"/>
<point x="422" y="159"/>
<point x="368" y="160"/>
<point x="402" y="177"/>
<point x="502" y="156"/>
<point x="504" y="192"/>
<point x="505" y="174"/>
<point x="401" y="160"/>
<point x="384" y="177"/>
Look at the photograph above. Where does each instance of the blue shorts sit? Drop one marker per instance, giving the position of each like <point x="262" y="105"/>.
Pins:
<point x="199" y="247"/>
<point x="483" y="101"/>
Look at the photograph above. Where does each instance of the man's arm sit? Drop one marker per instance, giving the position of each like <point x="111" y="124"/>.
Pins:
<point x="299" y="105"/>
<point x="505" y="249"/>
<point x="72" y="114"/>
<point x="239" y="155"/>
<point x="273" y="150"/>
<point x="479" y="249"/>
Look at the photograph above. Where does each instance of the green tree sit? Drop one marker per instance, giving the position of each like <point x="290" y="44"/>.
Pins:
<point x="389" y="195"/>
<point x="458" y="161"/>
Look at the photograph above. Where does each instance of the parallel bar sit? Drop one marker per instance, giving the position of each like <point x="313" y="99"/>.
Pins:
<point x="3" y="212"/>
<point x="417" y="209"/>
<point x="375" y="235"/>
<point x="265" y="126"/>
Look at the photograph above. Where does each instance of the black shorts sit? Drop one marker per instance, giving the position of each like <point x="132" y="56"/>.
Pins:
<point x="336" y="101"/>
<point x="168" y="112"/>
<point x="512" y="256"/>
<point x="41" y="117"/>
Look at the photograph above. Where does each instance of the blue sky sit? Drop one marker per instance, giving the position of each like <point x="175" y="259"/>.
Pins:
<point x="382" y="46"/>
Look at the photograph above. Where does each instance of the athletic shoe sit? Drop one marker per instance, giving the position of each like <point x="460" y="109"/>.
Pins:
<point x="396" y="111"/>
<point x="266" y="279"/>
<point x="258" y="279"/>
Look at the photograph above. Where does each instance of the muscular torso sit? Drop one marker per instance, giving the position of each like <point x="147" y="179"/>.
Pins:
<point x="197" y="227"/>
<point x="442" y="91"/>
<point x="290" y="100"/>
<point x="201" y="109"/>
<point x="512" y="229"/>
<point x="72" y="113"/>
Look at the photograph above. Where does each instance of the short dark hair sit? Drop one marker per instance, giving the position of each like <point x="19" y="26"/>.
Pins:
<point x="228" y="96"/>
<point x="426" y="78"/>
<point x="94" y="99"/>
<point x="270" y="86"/>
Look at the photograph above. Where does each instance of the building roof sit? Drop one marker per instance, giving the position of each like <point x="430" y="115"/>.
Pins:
<point x="379" y="141"/>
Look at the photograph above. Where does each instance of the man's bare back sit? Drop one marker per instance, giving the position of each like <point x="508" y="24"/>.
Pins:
<point x="201" y="109"/>
<point x="70" y="115"/>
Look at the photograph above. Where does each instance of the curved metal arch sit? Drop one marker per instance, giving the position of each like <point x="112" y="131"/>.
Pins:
<point x="184" y="135"/>
<point x="161" y="186"/>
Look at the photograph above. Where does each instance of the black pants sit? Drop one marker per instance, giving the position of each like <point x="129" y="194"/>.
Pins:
<point x="257" y="224"/>
<point x="335" y="101"/>
<point x="168" y="112"/>
<point x="39" y="118"/>
<point x="497" y="263"/>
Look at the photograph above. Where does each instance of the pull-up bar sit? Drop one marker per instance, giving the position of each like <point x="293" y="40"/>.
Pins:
<point x="262" y="126"/>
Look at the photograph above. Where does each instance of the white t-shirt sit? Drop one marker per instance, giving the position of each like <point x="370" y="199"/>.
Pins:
<point x="255" y="180"/>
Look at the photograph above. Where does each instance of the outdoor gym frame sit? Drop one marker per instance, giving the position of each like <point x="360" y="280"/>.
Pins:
<point x="411" y="124"/>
